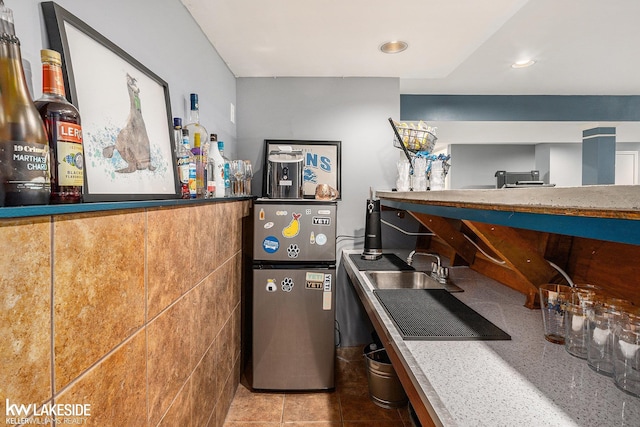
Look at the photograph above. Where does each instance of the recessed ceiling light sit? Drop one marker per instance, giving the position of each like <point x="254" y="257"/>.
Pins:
<point x="523" y="64"/>
<point x="395" y="46"/>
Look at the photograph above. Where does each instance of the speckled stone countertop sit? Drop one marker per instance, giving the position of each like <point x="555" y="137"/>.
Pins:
<point x="608" y="200"/>
<point x="525" y="381"/>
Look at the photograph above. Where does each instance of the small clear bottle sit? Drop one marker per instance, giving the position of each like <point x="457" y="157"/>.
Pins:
<point x="186" y="166"/>
<point x="177" y="134"/>
<point x="227" y="170"/>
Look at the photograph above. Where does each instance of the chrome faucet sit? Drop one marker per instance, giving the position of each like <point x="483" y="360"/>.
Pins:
<point x="438" y="272"/>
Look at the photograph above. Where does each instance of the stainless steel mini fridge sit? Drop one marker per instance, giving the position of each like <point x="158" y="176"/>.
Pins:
<point x="293" y="344"/>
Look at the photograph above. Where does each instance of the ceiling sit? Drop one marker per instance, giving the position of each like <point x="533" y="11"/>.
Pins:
<point x="455" y="47"/>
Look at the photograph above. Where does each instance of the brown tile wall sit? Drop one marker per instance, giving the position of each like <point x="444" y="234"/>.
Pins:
<point x="135" y="312"/>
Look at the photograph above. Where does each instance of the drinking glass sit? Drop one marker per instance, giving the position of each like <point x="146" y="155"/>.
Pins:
<point x="553" y="301"/>
<point x="248" y="175"/>
<point x="237" y="177"/>
<point x="626" y="341"/>
<point x="602" y="324"/>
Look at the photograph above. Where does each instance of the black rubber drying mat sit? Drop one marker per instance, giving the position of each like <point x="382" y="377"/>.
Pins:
<point x="388" y="262"/>
<point x="435" y="314"/>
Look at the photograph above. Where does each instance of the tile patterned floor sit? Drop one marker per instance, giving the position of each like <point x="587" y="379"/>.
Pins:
<point x="348" y="405"/>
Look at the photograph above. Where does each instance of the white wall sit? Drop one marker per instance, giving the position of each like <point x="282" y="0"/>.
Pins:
<point x="475" y="165"/>
<point x="161" y="35"/>
<point x="565" y="165"/>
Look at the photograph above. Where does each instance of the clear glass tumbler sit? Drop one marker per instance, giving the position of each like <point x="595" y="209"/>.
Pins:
<point x="626" y="341"/>
<point x="602" y="323"/>
<point x="553" y="301"/>
<point x="577" y="327"/>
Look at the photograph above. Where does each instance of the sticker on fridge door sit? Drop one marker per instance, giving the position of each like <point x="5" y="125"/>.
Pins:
<point x="271" y="285"/>
<point x="321" y="239"/>
<point x="293" y="251"/>
<point x="293" y="228"/>
<point x="270" y="244"/>
<point x="268" y="225"/>
<point x="327" y="293"/>
<point x="314" y="280"/>
<point x="322" y="220"/>
<point x="287" y="284"/>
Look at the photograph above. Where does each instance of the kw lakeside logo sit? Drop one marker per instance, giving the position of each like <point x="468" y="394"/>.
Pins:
<point x="60" y="413"/>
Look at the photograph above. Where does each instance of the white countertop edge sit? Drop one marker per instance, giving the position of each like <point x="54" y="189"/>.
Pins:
<point x="414" y="371"/>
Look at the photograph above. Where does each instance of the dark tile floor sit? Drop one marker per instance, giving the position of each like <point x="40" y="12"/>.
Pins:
<point x="348" y="405"/>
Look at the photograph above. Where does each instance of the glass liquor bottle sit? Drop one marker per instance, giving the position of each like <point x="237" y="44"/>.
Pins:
<point x="186" y="167"/>
<point x="195" y="128"/>
<point x="177" y="134"/>
<point x="227" y="170"/>
<point x="215" y="169"/>
<point x="64" y="132"/>
<point x="24" y="148"/>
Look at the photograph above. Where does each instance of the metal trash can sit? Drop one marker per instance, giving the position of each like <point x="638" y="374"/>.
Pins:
<point x="385" y="388"/>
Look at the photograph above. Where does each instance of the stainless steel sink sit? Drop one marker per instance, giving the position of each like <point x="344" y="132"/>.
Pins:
<point x="402" y="280"/>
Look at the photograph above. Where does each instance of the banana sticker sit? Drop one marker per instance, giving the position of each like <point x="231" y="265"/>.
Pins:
<point x="293" y="228"/>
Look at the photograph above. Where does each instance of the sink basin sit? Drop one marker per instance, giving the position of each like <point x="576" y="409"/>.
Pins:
<point x="402" y="280"/>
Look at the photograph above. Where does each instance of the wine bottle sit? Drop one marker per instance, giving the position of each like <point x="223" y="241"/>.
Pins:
<point x="64" y="132"/>
<point x="24" y="148"/>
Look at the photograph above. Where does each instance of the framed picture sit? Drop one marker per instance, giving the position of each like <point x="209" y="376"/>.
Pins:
<point x="321" y="163"/>
<point x="125" y="111"/>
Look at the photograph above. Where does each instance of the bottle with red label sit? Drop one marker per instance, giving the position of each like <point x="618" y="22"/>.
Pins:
<point x="62" y="122"/>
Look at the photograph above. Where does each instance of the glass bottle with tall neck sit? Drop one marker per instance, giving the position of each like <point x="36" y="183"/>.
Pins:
<point x="195" y="128"/>
<point x="62" y="122"/>
<point x="24" y="148"/>
<point x="227" y="170"/>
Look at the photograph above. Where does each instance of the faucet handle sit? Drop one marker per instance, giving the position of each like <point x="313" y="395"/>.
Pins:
<point x="434" y="267"/>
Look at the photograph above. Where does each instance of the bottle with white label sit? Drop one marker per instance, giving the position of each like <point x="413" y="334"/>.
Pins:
<point x="226" y="170"/>
<point x="215" y="170"/>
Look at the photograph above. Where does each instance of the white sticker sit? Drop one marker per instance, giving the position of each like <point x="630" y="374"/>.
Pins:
<point x="287" y="284"/>
<point x="271" y="285"/>
<point x="268" y="225"/>
<point x="321" y="239"/>
<point x="326" y="300"/>
<point x="327" y="283"/>
<point x="307" y="211"/>
<point x="324" y="212"/>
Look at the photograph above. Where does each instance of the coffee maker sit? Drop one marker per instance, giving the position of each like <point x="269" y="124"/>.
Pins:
<point x="372" y="230"/>
<point x="285" y="174"/>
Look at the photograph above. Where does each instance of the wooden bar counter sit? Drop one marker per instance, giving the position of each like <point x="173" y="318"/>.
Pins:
<point x="518" y="236"/>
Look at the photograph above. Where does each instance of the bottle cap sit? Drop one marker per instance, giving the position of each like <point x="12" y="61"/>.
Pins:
<point x="213" y="137"/>
<point x="220" y="145"/>
<point x="194" y="102"/>
<point x="177" y="122"/>
<point x="48" y="55"/>
<point x="185" y="132"/>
